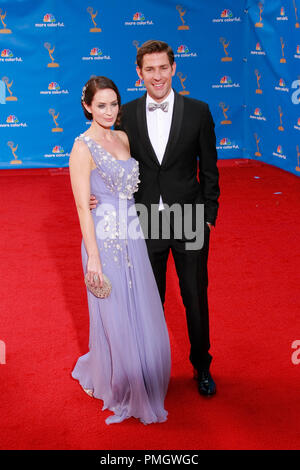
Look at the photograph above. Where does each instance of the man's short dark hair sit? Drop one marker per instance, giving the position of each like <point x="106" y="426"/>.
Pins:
<point x="149" y="47"/>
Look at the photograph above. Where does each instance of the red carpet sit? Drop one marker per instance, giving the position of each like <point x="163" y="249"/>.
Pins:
<point x="254" y="303"/>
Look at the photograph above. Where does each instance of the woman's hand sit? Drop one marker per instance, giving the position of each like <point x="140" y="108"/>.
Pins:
<point x="94" y="271"/>
<point x="93" y="202"/>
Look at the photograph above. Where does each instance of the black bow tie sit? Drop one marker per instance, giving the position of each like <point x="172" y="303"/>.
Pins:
<point x="163" y="106"/>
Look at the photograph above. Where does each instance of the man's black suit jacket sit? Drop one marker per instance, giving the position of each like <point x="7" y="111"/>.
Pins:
<point x="192" y="135"/>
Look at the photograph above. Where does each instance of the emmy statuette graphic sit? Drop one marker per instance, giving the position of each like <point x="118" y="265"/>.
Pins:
<point x="4" y="30"/>
<point x="225" y="46"/>
<point x="258" y="77"/>
<point x="297" y="25"/>
<point x="8" y="86"/>
<point x="136" y="44"/>
<point x="182" y="12"/>
<point x="2" y="92"/>
<point x="225" y="109"/>
<point x="280" y="127"/>
<point x="47" y="45"/>
<point x="16" y="161"/>
<point x="182" y="80"/>
<point x="259" y="24"/>
<point x="298" y="158"/>
<point x="55" y="116"/>
<point x="90" y="10"/>
<point x="282" y="60"/>
<point x="257" y="153"/>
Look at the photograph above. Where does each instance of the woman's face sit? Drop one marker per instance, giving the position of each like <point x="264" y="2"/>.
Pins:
<point x="104" y="107"/>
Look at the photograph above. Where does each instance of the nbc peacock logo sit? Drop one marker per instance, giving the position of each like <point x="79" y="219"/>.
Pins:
<point x="297" y="126"/>
<point x="139" y="83"/>
<point x="8" y="56"/>
<point x="54" y="89"/>
<point x="279" y="152"/>
<point x="183" y="51"/>
<point x="139" y="19"/>
<point x="53" y="86"/>
<point x="95" y="51"/>
<point x="96" y="54"/>
<point x="258" y="115"/>
<point x="49" y="21"/>
<point x="138" y="86"/>
<point x="282" y="15"/>
<point x="49" y="18"/>
<point x="281" y="86"/>
<point x="258" y="50"/>
<point x="226" y="144"/>
<point x="226" y="16"/>
<point x="225" y="141"/>
<point x="226" y="82"/>
<point x="138" y="16"/>
<point x="57" y="151"/>
<point x="13" y="121"/>
<point x="6" y="53"/>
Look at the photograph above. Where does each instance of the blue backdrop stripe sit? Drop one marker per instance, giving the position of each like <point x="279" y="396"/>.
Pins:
<point x="241" y="57"/>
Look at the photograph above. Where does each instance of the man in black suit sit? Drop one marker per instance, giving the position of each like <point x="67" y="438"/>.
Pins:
<point x="167" y="132"/>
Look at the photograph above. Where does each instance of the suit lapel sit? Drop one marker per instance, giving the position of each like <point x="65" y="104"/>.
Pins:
<point x="175" y="127"/>
<point x="143" y="130"/>
<point x="174" y="130"/>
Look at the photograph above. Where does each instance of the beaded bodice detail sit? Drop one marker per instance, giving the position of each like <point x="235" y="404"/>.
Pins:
<point x="121" y="177"/>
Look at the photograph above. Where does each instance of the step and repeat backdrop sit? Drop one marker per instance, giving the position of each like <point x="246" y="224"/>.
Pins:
<point x="242" y="57"/>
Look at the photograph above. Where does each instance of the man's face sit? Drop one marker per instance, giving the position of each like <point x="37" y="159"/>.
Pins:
<point x="157" y="73"/>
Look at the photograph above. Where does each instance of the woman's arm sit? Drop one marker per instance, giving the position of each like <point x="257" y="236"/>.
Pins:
<point x="80" y="169"/>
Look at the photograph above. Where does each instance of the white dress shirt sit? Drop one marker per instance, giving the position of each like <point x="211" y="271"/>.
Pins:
<point x="159" y="125"/>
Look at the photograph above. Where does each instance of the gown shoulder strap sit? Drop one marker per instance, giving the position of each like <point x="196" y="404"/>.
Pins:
<point x="80" y="137"/>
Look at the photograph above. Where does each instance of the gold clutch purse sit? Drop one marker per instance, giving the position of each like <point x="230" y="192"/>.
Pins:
<point x="100" y="292"/>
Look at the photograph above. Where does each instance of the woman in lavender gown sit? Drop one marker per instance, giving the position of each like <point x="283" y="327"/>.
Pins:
<point x="128" y="362"/>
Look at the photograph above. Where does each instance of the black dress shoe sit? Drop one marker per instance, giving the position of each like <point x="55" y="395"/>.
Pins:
<point x="206" y="384"/>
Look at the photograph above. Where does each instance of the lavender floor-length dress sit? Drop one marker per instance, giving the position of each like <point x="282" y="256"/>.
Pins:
<point x="128" y="363"/>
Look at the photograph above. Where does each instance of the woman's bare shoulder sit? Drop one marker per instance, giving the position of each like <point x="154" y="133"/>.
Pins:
<point x="80" y="154"/>
<point x="123" y="136"/>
